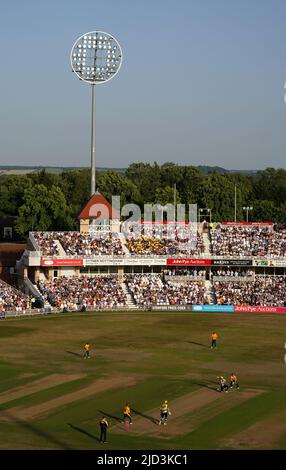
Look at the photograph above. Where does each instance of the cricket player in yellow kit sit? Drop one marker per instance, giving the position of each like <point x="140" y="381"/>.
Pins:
<point x="214" y="338"/>
<point x="233" y="381"/>
<point x="127" y="413"/>
<point x="86" y="351"/>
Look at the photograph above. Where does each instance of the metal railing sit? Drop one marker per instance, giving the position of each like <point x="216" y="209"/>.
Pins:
<point x="233" y="278"/>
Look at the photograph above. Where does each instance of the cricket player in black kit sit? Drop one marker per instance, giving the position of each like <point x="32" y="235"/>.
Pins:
<point x="103" y="424"/>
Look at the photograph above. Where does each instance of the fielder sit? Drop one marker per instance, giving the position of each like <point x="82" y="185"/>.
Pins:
<point x="86" y="351"/>
<point x="164" y="413"/>
<point x="214" y="338"/>
<point x="127" y="413"/>
<point x="233" y="382"/>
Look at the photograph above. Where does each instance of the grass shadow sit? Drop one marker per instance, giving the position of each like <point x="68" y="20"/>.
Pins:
<point x="74" y="353"/>
<point x="150" y="418"/>
<point x="116" y="418"/>
<point x="197" y="344"/>
<point x="207" y="385"/>
<point x="35" y="430"/>
<point x="83" y="431"/>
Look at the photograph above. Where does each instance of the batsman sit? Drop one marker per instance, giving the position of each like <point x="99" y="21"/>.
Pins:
<point x="164" y="413"/>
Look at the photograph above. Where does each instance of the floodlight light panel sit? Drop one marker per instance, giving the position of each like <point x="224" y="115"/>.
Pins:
<point x="97" y="52"/>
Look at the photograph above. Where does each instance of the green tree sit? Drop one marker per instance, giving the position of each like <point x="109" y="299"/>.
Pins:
<point x="217" y="194"/>
<point x="111" y="183"/>
<point x="76" y="187"/>
<point x="12" y="192"/>
<point x="190" y="184"/>
<point x="45" y="178"/>
<point x="165" y="196"/>
<point x="265" y="211"/>
<point x="270" y="184"/>
<point x="281" y="213"/>
<point x="147" y="178"/>
<point x="43" y="209"/>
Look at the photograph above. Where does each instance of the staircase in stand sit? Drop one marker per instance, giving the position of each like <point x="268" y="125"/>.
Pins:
<point x="123" y="242"/>
<point x="207" y="244"/>
<point x="210" y="293"/>
<point x="130" y="303"/>
<point x="60" y="249"/>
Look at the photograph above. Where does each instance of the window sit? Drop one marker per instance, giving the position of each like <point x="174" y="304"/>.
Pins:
<point x="8" y="231"/>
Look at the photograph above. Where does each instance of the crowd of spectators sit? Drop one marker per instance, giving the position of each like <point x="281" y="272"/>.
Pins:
<point x="47" y="243"/>
<point x="195" y="272"/>
<point x="12" y="299"/>
<point x="162" y="244"/>
<point x="248" y="241"/>
<point x="90" y="244"/>
<point x="232" y="273"/>
<point x="150" y="289"/>
<point x="77" y="293"/>
<point x="151" y="240"/>
<point x="263" y="291"/>
<point x="78" y="244"/>
<point x="237" y="241"/>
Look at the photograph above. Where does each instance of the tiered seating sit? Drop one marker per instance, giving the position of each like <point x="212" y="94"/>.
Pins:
<point x="12" y="299"/>
<point x="264" y="291"/>
<point x="193" y="272"/>
<point x="248" y="241"/>
<point x="73" y="293"/>
<point x="86" y="244"/>
<point x="165" y="241"/>
<point x="79" y="244"/>
<point x="149" y="289"/>
<point x="228" y="272"/>
<point x="47" y="243"/>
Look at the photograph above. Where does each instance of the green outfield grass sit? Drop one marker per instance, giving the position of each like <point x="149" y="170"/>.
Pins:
<point x="51" y="398"/>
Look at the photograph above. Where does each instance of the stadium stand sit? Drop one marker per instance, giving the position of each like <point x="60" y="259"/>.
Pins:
<point x="47" y="243"/>
<point x="12" y="299"/>
<point x="86" y="244"/>
<point x="75" y="293"/>
<point x="78" y="244"/>
<point x="158" y="265"/>
<point x="248" y="241"/>
<point x="254" y="241"/>
<point x="263" y="291"/>
<point x="149" y="289"/>
<point x="164" y="240"/>
<point x="185" y="272"/>
<point x="228" y="272"/>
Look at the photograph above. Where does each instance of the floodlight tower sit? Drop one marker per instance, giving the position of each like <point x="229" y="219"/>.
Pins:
<point x="96" y="57"/>
<point x="247" y="209"/>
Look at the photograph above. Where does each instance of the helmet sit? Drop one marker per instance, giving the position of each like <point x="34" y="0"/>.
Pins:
<point x="166" y="401"/>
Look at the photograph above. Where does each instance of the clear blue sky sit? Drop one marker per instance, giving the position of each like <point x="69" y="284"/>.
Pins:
<point x="202" y="82"/>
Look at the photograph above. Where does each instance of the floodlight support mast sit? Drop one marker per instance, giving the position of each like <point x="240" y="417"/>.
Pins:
<point x="96" y="57"/>
<point x="93" y="176"/>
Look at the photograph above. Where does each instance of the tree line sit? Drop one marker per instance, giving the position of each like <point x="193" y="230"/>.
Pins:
<point x="47" y="201"/>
